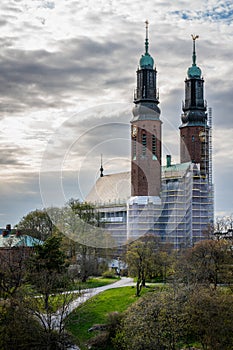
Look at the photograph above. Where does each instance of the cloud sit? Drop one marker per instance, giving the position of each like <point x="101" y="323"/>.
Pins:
<point x="10" y="155"/>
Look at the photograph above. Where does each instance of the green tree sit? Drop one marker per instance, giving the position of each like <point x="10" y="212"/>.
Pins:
<point x="49" y="276"/>
<point x="89" y="240"/>
<point x="48" y="268"/>
<point x="141" y="259"/>
<point x="31" y="317"/>
<point x="38" y="224"/>
<point x="210" y="315"/>
<point x="155" y="322"/>
<point x="22" y="328"/>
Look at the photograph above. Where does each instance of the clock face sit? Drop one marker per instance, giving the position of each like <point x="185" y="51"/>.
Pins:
<point x="134" y="131"/>
<point x="202" y="136"/>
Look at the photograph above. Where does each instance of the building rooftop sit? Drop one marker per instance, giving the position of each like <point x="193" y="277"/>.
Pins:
<point x="116" y="188"/>
<point x="113" y="188"/>
<point x="11" y="241"/>
<point x="175" y="170"/>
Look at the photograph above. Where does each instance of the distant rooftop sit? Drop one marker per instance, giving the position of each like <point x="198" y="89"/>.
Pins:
<point x="11" y="241"/>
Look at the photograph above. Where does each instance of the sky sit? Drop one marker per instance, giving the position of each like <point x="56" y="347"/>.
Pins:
<point x="67" y="77"/>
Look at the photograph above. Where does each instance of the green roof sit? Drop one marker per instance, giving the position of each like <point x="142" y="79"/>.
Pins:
<point x="19" y="241"/>
<point x="146" y="61"/>
<point x="194" y="72"/>
<point x="175" y="169"/>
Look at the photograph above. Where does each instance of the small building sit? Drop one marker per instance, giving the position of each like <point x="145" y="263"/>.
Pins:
<point x="15" y="247"/>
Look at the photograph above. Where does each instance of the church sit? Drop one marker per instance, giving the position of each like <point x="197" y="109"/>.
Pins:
<point x="172" y="201"/>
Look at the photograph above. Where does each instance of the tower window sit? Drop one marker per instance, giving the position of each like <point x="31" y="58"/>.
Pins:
<point x="134" y="148"/>
<point x="153" y="145"/>
<point x="144" y="143"/>
<point x="193" y="138"/>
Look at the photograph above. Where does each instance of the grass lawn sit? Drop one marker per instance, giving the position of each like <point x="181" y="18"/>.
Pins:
<point x="95" y="310"/>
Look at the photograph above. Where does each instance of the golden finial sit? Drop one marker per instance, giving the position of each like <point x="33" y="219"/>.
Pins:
<point x="194" y="37"/>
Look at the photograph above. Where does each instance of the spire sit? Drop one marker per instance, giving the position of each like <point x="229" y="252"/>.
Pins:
<point x="146" y="60"/>
<point x="101" y="167"/>
<point x="194" y="71"/>
<point x="147" y="40"/>
<point x="194" y="106"/>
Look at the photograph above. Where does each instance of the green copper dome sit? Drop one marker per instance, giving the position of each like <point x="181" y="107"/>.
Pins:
<point x="194" y="72"/>
<point x="146" y="61"/>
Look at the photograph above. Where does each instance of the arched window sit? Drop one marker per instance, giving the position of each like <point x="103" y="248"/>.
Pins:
<point x="143" y="143"/>
<point x="134" y="148"/>
<point x="153" y="145"/>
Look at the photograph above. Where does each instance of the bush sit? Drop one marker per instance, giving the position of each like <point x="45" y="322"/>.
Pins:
<point x="109" y="274"/>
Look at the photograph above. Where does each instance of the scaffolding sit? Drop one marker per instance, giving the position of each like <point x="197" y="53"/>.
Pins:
<point x="210" y="146"/>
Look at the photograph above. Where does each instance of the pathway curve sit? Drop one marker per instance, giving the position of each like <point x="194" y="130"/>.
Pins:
<point x="87" y="294"/>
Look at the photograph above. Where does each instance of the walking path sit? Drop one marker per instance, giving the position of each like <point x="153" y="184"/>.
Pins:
<point x="57" y="318"/>
<point x="87" y="294"/>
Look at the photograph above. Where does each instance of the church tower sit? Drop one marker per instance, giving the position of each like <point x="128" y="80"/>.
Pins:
<point x="194" y="131"/>
<point x="146" y="130"/>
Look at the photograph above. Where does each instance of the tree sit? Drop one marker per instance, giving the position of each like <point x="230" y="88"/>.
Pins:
<point x="224" y="227"/>
<point x="12" y="270"/>
<point x="155" y="322"/>
<point x="48" y="268"/>
<point x="31" y="317"/>
<point x="89" y="240"/>
<point x="22" y="327"/>
<point x="48" y="275"/>
<point x="38" y="224"/>
<point x="208" y="262"/>
<point x="210" y="316"/>
<point x="141" y="259"/>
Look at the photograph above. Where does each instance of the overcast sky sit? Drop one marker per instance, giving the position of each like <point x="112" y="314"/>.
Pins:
<point x="67" y="76"/>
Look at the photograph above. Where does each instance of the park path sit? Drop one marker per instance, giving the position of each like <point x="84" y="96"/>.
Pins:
<point x="87" y="294"/>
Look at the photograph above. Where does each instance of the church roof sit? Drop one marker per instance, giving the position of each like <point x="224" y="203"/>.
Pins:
<point x="116" y="188"/>
<point x="113" y="188"/>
